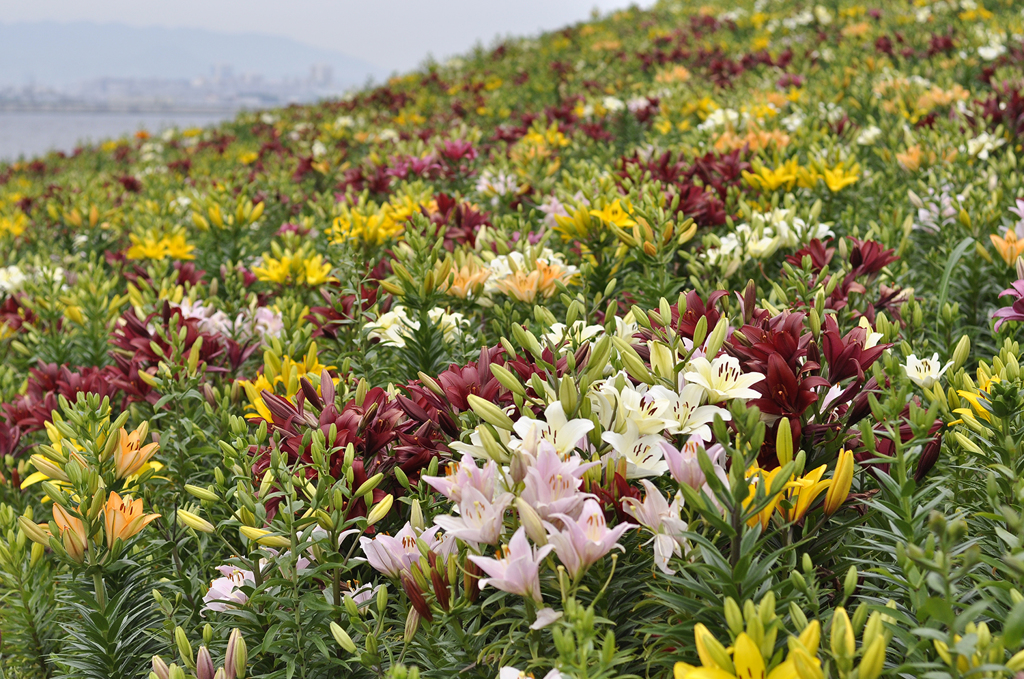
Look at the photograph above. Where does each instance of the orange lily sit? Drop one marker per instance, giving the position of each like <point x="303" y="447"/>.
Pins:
<point x="124" y="518"/>
<point x="72" y="533"/>
<point x="130" y="455"/>
<point x="1009" y="248"/>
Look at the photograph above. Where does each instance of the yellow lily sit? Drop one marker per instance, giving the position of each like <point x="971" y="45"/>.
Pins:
<point x="614" y="214"/>
<point x="803" y="492"/>
<point x="979" y="403"/>
<point x="759" y="476"/>
<point x="838" y="178"/>
<point x="770" y="180"/>
<point x="746" y="659"/>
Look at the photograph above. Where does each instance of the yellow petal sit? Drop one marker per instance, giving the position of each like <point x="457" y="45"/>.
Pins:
<point x="747" y="658"/>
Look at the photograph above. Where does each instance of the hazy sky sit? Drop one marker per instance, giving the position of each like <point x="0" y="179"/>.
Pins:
<point x="393" y="34"/>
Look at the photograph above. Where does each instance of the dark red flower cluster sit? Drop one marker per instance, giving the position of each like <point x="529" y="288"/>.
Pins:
<point x="692" y="182"/>
<point x="137" y="348"/>
<point x="30" y="411"/>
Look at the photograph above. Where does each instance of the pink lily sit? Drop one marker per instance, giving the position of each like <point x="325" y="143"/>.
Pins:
<point x="518" y="571"/>
<point x="584" y="541"/>
<point x="461" y="475"/>
<point x="394" y="555"/>
<point x="658" y="516"/>
<point x="552" y="486"/>
<point x="683" y="464"/>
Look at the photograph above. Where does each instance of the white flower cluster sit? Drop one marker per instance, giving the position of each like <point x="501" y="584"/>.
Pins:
<point x="763" y="236"/>
<point x="496" y="185"/>
<point x="392" y="328"/>
<point x="11" y="278"/>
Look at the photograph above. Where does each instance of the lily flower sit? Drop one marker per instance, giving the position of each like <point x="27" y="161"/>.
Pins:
<point x="564" y="434"/>
<point x="72" y="533"/>
<point x="722" y="378"/>
<point x="758" y="476"/>
<point x="225" y="592"/>
<point x="744" y="660"/>
<point x="394" y="555"/>
<point x="644" y="455"/>
<point x="517" y="571"/>
<point x="551" y="485"/>
<point x="1015" y="312"/>
<point x="584" y="541"/>
<point x="131" y="455"/>
<point x="683" y="413"/>
<point x="802" y="493"/>
<point x="925" y="372"/>
<point x="461" y="475"/>
<point x="839" y="178"/>
<point x="479" y="520"/>
<point x="662" y="519"/>
<point x="1008" y="247"/>
<point x="123" y="518"/>
<point x="683" y="462"/>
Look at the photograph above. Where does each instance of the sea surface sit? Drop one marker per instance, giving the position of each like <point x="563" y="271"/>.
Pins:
<point x="25" y="135"/>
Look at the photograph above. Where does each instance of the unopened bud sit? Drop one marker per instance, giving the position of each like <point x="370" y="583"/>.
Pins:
<point x="342" y="637"/>
<point x="531" y="521"/>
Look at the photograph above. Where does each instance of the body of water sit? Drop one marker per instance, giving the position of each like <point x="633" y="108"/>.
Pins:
<point x="32" y="134"/>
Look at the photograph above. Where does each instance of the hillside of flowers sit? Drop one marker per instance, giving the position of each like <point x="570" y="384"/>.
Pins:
<point x="680" y="343"/>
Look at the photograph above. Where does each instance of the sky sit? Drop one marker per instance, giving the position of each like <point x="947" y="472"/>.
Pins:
<point x="395" y="35"/>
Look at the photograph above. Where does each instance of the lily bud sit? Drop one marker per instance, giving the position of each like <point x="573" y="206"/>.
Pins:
<point x="531" y="521"/>
<point x="236" y="656"/>
<point x="195" y="522"/>
<point x="160" y="668"/>
<point x="184" y="647"/>
<point x="416" y="516"/>
<point x="380" y="510"/>
<point x="842" y="479"/>
<point x="342" y="637"/>
<point x="708" y="646"/>
<point x="961" y="353"/>
<point x="842" y="641"/>
<point x="784" y="443"/>
<point x="717" y="337"/>
<point x="204" y="664"/>
<point x="873" y="661"/>
<point x="412" y="623"/>
<point x="412" y="590"/>
<point x="489" y="412"/>
<point x="264" y="537"/>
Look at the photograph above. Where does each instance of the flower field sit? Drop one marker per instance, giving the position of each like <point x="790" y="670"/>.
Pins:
<point x="681" y="342"/>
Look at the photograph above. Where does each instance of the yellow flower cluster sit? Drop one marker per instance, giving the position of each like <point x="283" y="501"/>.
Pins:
<point x="13" y="226"/>
<point x="286" y="267"/>
<point x="791" y="173"/>
<point x="375" y="225"/>
<point x="150" y="245"/>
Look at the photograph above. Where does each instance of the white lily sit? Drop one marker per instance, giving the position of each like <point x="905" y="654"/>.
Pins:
<point x="925" y="372"/>
<point x="722" y="378"/>
<point x="643" y="452"/>
<point x="683" y="413"/>
<point x="564" y="434"/>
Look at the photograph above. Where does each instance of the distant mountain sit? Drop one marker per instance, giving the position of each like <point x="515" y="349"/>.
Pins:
<point x="51" y="53"/>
